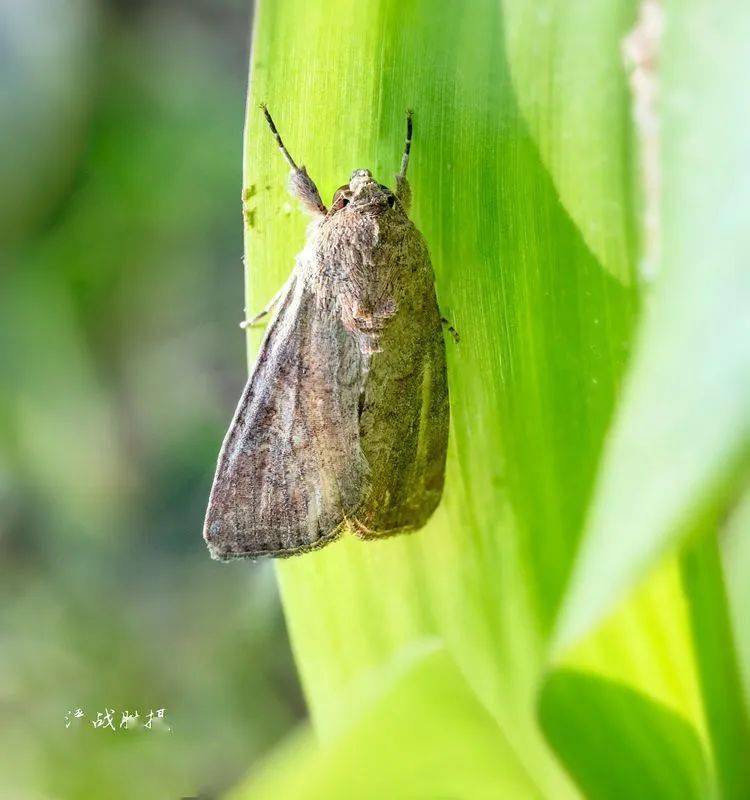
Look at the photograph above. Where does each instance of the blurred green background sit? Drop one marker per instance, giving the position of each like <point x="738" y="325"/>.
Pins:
<point x="563" y="627"/>
<point x="120" y="294"/>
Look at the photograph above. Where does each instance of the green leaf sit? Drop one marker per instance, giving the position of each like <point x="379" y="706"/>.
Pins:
<point x="726" y="713"/>
<point x="566" y="63"/>
<point x="736" y="565"/>
<point x="449" y="747"/>
<point x="683" y="424"/>
<point x="545" y="329"/>
<point x="618" y="743"/>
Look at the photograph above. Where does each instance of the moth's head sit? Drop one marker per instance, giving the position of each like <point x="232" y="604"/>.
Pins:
<point x="363" y="194"/>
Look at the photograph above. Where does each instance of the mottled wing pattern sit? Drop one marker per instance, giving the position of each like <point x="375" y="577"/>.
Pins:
<point x="288" y="474"/>
<point x="405" y="413"/>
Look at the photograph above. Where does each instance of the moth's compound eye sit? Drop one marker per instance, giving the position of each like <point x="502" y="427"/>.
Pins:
<point x="391" y="200"/>
<point x="340" y="199"/>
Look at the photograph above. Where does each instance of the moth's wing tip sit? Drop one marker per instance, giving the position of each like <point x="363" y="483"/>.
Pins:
<point x="213" y="535"/>
<point x="217" y="548"/>
<point x="217" y="554"/>
<point x="222" y="552"/>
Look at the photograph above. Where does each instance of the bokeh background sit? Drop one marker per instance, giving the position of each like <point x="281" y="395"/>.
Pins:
<point x="120" y="295"/>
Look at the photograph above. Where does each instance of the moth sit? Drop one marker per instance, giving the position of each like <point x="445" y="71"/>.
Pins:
<point x="343" y="423"/>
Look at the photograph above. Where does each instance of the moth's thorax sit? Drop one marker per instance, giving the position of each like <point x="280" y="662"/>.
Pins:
<point x="355" y="256"/>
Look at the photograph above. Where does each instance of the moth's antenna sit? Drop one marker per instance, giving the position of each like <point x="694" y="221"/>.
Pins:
<point x="407" y="144"/>
<point x="301" y="185"/>
<point x="283" y="149"/>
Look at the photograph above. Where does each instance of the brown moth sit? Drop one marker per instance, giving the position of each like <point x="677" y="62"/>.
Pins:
<point x="343" y="424"/>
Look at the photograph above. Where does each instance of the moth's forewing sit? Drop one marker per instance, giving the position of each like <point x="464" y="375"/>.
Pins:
<point x="405" y="413"/>
<point x="288" y="473"/>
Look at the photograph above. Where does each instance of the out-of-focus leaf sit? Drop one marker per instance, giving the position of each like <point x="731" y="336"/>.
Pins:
<point x="736" y="564"/>
<point x="726" y="714"/>
<point x="684" y="422"/>
<point x="646" y="644"/>
<point x="427" y="737"/>
<point x="617" y="743"/>
<point x="564" y="56"/>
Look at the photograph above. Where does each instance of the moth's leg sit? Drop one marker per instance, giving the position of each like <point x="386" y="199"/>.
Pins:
<point x="453" y="332"/>
<point x="301" y="185"/>
<point x="403" y="190"/>
<point x="270" y="305"/>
